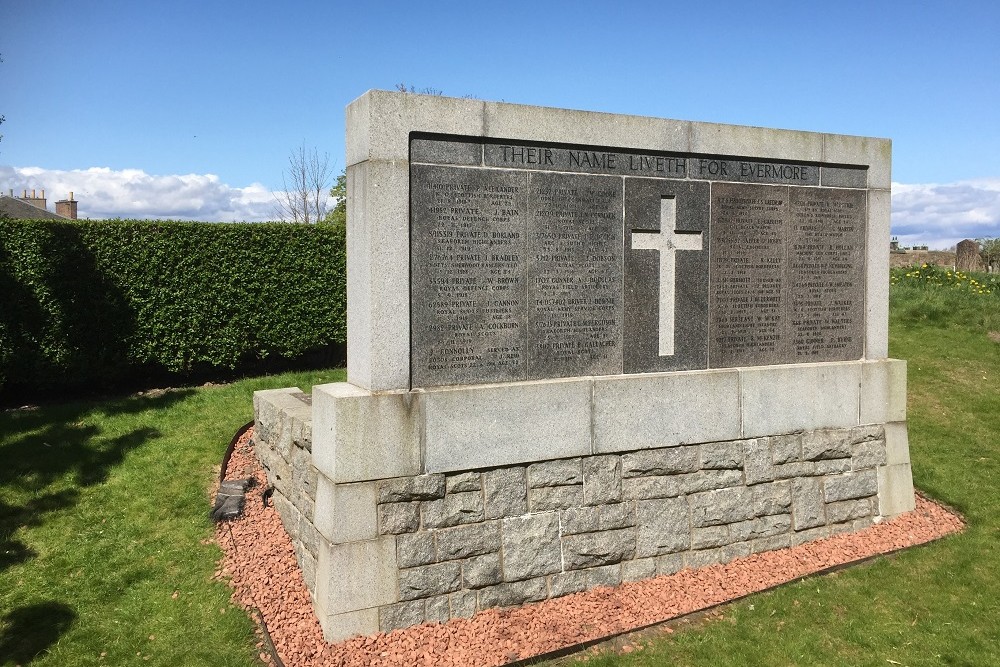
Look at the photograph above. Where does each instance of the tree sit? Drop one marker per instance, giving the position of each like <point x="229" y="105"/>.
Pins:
<point x="305" y="184"/>
<point x="338" y="215"/>
<point x="989" y="250"/>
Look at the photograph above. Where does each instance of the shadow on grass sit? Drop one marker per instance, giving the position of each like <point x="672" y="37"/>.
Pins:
<point x="44" y="450"/>
<point x="27" y="632"/>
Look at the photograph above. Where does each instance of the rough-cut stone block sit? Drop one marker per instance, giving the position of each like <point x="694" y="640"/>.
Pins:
<point x="772" y="543"/>
<point x="438" y="610"/>
<point x="850" y="485"/>
<point x="869" y="454"/>
<point x="765" y="526"/>
<point x="596" y="549"/>
<point x="848" y="510"/>
<point x="405" y="489"/>
<point x="791" y="470"/>
<point x="662" y="410"/>
<point x="555" y="473"/>
<point x="786" y="448"/>
<point x="506" y="492"/>
<point x="663" y="527"/>
<point x="548" y="498"/>
<point x="696" y="559"/>
<point x="602" y="480"/>
<point x="396" y="518"/>
<point x="707" y="480"/>
<point x="895" y="490"/>
<point x="710" y="537"/>
<point x="464" y="481"/>
<point x="400" y="615"/>
<point x="667" y="461"/>
<point x="757" y="466"/>
<point x="619" y="515"/>
<point x="867" y="432"/>
<point x="580" y="520"/>
<point x="575" y="581"/>
<point x="803" y="536"/>
<point x="819" y="445"/>
<point x="415" y="549"/>
<point x="355" y="576"/>
<point x="833" y="466"/>
<point x="453" y="510"/>
<point x="802" y="397"/>
<point x="722" y="455"/>
<point x="513" y="593"/>
<point x="309" y="537"/>
<point x="639" y="569"/>
<point x="429" y="580"/>
<point x="807" y="503"/>
<point x="713" y="508"/>
<point x="647" y="488"/>
<point x="773" y="498"/>
<point x="669" y="564"/>
<point x="360" y="436"/>
<point x="463" y="604"/>
<point x="482" y="571"/>
<point x="471" y="540"/>
<point x="531" y="546"/>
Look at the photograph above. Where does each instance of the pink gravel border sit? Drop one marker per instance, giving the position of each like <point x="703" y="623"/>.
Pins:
<point x="259" y="563"/>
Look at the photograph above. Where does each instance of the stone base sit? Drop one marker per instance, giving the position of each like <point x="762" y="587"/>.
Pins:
<point x="389" y="552"/>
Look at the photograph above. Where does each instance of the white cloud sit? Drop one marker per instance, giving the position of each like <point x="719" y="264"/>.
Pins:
<point x="132" y="193"/>
<point x="942" y="214"/>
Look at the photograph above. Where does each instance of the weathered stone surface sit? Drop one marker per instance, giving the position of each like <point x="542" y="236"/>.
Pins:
<point x="706" y="480"/>
<point x="513" y="593"/>
<point x="453" y="510"/>
<point x="786" y="448"/>
<point x="669" y="564"/>
<point x="602" y="480"/>
<point x="817" y="445"/>
<point x="765" y="526"/>
<point x="663" y="527"/>
<point x="429" y="580"/>
<point x="772" y="498"/>
<point x="772" y="543"/>
<point x="555" y="473"/>
<point x="462" y="482"/>
<point x="667" y="461"/>
<point x="848" y="510"/>
<point x="575" y="581"/>
<point x="396" y="518"/>
<point x="722" y="455"/>
<point x="309" y="537"/>
<point x="531" y="546"/>
<point x="713" y="508"/>
<point x="757" y="466"/>
<point x="506" y="492"/>
<point x="638" y="569"/>
<point x="796" y="469"/>
<point x="415" y="549"/>
<point x="438" y="610"/>
<point x="869" y="454"/>
<point x="548" y="498"/>
<point x="867" y="432"/>
<point x="400" y="615"/>
<point x="695" y="559"/>
<point x="619" y="515"/>
<point x="596" y="549"/>
<point x="803" y="536"/>
<point x="710" y="537"/>
<point x="807" y="503"/>
<point x="580" y="520"/>
<point x="482" y="571"/>
<point x="850" y="485"/>
<point x="405" y="489"/>
<point x="648" y="488"/>
<point x="470" y="540"/>
<point x="463" y="604"/>
<point x="308" y="565"/>
<point x="833" y="466"/>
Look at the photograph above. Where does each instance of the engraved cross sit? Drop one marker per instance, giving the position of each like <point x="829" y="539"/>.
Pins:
<point x="666" y="241"/>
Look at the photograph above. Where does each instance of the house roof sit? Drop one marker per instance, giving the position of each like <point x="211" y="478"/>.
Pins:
<point x="13" y="207"/>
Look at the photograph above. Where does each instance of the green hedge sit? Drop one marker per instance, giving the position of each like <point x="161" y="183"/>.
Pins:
<point x="86" y="302"/>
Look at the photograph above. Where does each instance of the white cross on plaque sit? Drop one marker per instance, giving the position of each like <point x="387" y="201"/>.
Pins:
<point x="666" y="241"/>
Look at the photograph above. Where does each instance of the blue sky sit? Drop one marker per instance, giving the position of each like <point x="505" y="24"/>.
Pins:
<point x="190" y="109"/>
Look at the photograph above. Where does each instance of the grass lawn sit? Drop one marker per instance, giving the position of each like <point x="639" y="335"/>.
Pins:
<point x="105" y="558"/>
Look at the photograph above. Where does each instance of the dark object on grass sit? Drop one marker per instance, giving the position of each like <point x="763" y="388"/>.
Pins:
<point x="230" y="499"/>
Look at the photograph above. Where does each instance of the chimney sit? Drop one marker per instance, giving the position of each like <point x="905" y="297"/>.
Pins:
<point x="34" y="200"/>
<point x="67" y="207"/>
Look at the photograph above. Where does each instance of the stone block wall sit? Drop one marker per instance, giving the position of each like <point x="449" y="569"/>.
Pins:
<point x="400" y="551"/>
